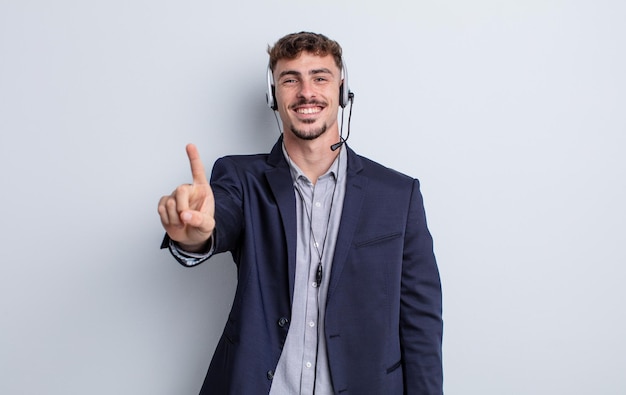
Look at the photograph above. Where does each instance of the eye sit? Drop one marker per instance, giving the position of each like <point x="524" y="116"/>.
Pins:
<point x="289" y="81"/>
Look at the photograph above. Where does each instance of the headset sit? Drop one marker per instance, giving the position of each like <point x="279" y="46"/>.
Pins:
<point x="345" y="95"/>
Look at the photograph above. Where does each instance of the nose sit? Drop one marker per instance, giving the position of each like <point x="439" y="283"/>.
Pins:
<point x="306" y="90"/>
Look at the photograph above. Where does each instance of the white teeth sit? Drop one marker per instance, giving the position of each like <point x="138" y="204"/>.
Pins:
<point x="308" y="110"/>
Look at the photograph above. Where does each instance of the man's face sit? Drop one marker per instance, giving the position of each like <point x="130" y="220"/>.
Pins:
<point x="307" y="93"/>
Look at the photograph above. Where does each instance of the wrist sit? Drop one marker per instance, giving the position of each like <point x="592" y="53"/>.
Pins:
<point x="201" y="248"/>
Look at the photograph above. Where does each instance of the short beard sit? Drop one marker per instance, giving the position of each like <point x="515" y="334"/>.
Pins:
<point x="312" y="134"/>
<point x="309" y="135"/>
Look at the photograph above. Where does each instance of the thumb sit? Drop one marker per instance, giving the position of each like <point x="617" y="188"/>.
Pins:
<point x="197" y="219"/>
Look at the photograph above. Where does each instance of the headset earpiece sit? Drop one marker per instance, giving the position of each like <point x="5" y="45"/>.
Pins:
<point x="270" y="95"/>
<point x="344" y="89"/>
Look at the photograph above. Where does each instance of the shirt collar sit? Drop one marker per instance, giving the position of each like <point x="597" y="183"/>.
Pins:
<point x="337" y="168"/>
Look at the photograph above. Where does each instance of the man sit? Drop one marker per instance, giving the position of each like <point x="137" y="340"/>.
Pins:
<point x="338" y="289"/>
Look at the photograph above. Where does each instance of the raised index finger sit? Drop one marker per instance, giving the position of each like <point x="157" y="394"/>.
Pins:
<point x="197" y="168"/>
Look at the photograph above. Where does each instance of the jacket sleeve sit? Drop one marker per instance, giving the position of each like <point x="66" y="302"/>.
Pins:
<point x="186" y="258"/>
<point x="421" y="324"/>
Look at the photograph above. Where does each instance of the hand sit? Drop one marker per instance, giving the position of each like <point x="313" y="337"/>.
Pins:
<point x="188" y="213"/>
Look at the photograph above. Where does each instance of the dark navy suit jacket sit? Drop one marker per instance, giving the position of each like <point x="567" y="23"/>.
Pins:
<point x="383" y="315"/>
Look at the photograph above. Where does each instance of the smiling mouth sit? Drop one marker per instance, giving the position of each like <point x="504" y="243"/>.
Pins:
<point x="308" y="107"/>
<point x="308" y="110"/>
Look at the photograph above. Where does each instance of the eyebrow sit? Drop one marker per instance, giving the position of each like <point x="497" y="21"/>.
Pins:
<point x="311" y="72"/>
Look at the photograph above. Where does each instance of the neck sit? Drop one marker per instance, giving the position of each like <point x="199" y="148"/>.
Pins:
<point x="313" y="157"/>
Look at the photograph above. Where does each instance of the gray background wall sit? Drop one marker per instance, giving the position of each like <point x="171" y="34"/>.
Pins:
<point x="511" y="113"/>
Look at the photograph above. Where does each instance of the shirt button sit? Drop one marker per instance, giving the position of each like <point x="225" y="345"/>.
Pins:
<point x="318" y="204"/>
<point x="270" y="374"/>
<point x="308" y="364"/>
<point x="314" y="285"/>
<point x="282" y="322"/>
<point x="311" y="324"/>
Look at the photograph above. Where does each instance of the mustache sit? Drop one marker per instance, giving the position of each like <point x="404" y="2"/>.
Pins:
<point x="305" y="102"/>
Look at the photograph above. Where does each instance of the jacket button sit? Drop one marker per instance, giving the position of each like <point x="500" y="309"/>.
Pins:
<point x="282" y="322"/>
<point x="270" y="374"/>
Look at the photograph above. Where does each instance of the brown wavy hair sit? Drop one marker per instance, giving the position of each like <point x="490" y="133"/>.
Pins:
<point x="291" y="45"/>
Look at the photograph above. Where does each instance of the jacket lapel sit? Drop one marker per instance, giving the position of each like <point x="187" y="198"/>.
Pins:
<point x="281" y="184"/>
<point x="353" y="201"/>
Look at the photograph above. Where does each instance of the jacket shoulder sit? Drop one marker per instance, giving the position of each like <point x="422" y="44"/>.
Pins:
<point x="244" y="160"/>
<point x="379" y="173"/>
<point x="242" y="164"/>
